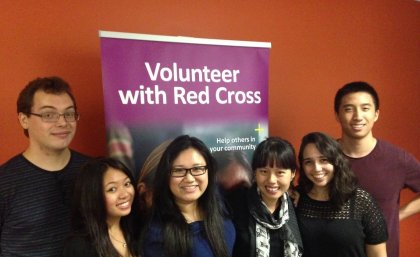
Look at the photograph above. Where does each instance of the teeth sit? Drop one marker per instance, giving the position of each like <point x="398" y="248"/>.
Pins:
<point x="319" y="175"/>
<point x="189" y="188"/>
<point x="272" y="189"/>
<point x="358" y="126"/>
<point x="124" y="205"/>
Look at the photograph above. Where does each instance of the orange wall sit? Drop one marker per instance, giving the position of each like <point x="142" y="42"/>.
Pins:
<point x="317" y="46"/>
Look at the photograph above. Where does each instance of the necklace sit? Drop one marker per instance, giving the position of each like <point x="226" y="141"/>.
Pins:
<point x="124" y="244"/>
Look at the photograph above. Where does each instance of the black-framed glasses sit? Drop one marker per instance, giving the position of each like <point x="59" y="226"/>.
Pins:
<point x="55" y="116"/>
<point x="194" y="171"/>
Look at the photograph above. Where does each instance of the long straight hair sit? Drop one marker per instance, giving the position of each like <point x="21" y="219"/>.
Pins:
<point x="177" y="238"/>
<point x="343" y="184"/>
<point x="89" y="209"/>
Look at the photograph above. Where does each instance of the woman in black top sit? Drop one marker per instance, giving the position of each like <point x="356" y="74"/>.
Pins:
<point x="105" y="205"/>
<point x="336" y="218"/>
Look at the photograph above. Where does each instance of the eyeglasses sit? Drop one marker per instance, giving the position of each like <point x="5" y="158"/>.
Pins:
<point x="55" y="116"/>
<point x="194" y="171"/>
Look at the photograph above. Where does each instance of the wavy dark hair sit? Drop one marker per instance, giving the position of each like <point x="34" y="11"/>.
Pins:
<point x="343" y="184"/>
<point x="176" y="235"/>
<point x="89" y="209"/>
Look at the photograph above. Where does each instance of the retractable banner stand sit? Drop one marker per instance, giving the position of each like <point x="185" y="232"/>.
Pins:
<point x="159" y="87"/>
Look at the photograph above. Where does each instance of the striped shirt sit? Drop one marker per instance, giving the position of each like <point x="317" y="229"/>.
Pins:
<point x="35" y="207"/>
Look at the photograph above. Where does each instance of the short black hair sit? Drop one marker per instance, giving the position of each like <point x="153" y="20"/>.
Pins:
<point x="274" y="151"/>
<point x="354" y="87"/>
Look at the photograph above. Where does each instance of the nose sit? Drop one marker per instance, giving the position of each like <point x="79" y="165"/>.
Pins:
<point x="357" y="114"/>
<point x="188" y="177"/>
<point x="61" y="120"/>
<point x="318" y="166"/>
<point x="272" y="178"/>
<point x="123" y="193"/>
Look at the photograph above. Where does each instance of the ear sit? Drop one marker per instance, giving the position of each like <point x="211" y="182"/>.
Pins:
<point x="293" y="175"/>
<point x="141" y="187"/>
<point x="376" y="115"/>
<point x="336" y="117"/>
<point x="23" y="120"/>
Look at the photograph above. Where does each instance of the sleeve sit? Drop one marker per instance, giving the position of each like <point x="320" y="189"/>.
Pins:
<point x="412" y="171"/>
<point x="230" y="235"/>
<point x="373" y="221"/>
<point x="2" y="211"/>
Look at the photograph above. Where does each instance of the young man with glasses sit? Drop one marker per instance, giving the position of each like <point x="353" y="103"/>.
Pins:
<point x="36" y="185"/>
<point x="382" y="169"/>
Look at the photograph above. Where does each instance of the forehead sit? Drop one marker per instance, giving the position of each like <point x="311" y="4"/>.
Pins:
<point x="57" y="101"/>
<point x="113" y="175"/>
<point x="189" y="156"/>
<point x="357" y="98"/>
<point x="310" y="151"/>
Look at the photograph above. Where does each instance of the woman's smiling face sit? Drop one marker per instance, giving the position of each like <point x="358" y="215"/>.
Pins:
<point x="118" y="193"/>
<point x="189" y="188"/>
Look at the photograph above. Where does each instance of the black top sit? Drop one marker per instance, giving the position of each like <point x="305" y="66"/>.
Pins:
<point x="35" y="207"/>
<point x="79" y="245"/>
<point x="330" y="233"/>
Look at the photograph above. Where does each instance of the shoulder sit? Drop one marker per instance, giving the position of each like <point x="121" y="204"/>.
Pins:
<point x="364" y="200"/>
<point x="228" y="225"/>
<point x="360" y="193"/>
<point x="77" y="157"/>
<point x="78" y="245"/>
<point x="77" y="239"/>
<point x="77" y="160"/>
<point x="154" y="230"/>
<point x="14" y="171"/>
<point x="13" y="163"/>
<point x="386" y="147"/>
<point x="396" y="155"/>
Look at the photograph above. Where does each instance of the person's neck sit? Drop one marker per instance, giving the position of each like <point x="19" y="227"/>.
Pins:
<point x="48" y="160"/>
<point x="190" y="211"/>
<point x="319" y="193"/>
<point x="116" y="235"/>
<point x="357" y="147"/>
<point x="272" y="204"/>
<point x="114" y="226"/>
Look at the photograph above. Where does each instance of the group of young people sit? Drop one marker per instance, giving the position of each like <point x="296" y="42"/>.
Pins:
<point x="57" y="202"/>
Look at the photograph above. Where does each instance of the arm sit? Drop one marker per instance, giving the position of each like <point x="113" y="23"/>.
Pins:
<point x="413" y="207"/>
<point x="378" y="250"/>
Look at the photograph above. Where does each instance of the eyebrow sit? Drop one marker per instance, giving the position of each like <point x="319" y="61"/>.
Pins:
<point x="115" y="182"/>
<point x="52" y="107"/>
<point x="313" y="158"/>
<point x="194" y="165"/>
<point x="350" y="105"/>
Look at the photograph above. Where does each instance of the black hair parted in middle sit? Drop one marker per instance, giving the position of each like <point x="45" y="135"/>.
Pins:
<point x="176" y="235"/>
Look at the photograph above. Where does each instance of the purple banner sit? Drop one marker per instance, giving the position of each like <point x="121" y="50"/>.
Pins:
<point x="155" y="90"/>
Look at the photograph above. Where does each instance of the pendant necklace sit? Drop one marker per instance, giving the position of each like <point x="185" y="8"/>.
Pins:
<point x="124" y="244"/>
